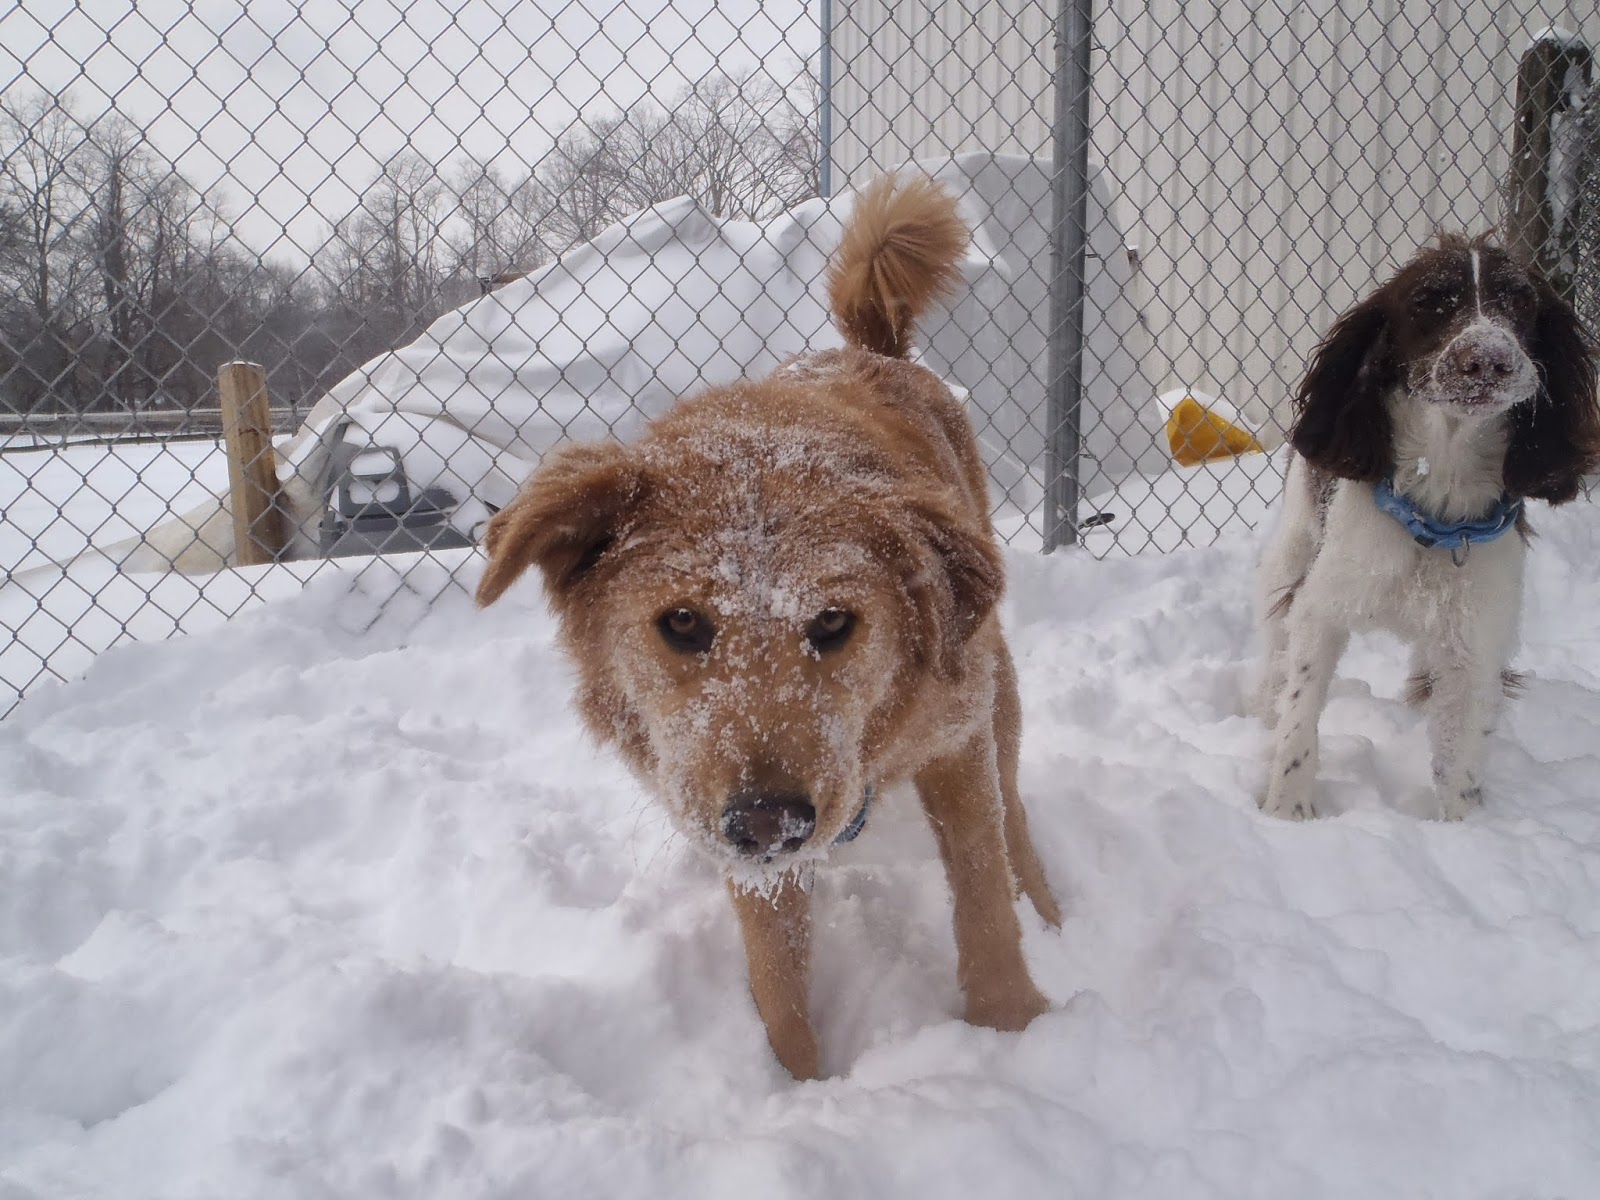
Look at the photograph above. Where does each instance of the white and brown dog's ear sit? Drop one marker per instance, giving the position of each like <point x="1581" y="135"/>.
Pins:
<point x="564" y="518"/>
<point x="957" y="577"/>
<point x="1342" y="423"/>
<point x="1555" y="437"/>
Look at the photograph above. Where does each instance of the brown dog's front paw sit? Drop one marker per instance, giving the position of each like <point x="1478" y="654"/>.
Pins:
<point x="1011" y="1010"/>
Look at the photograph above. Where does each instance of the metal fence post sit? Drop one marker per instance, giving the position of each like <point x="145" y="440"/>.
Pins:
<point x="1068" y="260"/>
<point x="825" y="104"/>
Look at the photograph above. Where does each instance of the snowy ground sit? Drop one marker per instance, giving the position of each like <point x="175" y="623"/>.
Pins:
<point x="57" y="502"/>
<point x="66" y="513"/>
<point x="336" y="901"/>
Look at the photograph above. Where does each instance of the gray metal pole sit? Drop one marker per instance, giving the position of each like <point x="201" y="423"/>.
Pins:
<point x="1069" y="240"/>
<point x="825" y="115"/>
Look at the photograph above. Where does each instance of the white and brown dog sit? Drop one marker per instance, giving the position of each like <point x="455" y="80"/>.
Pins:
<point x="1432" y="410"/>
<point x="782" y="598"/>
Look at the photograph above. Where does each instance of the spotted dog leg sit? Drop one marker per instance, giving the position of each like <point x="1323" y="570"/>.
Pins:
<point x="1313" y="652"/>
<point x="1465" y="697"/>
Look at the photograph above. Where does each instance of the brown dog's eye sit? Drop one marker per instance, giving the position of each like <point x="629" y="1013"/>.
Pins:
<point x="685" y="630"/>
<point x="830" y="629"/>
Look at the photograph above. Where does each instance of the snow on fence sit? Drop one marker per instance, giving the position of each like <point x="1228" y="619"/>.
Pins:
<point x="452" y="238"/>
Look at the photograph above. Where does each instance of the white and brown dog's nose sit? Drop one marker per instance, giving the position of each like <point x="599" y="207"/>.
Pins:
<point x="761" y="824"/>
<point x="1488" y="356"/>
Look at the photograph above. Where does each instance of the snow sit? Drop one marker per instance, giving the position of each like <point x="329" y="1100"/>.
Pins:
<point x="60" y="500"/>
<point x="68" y="513"/>
<point x="1562" y="37"/>
<point x="336" y="900"/>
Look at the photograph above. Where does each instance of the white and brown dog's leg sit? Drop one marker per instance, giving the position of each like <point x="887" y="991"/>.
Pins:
<point x="777" y="944"/>
<point x="961" y="794"/>
<point x="1468" y="686"/>
<point x="1461" y="711"/>
<point x="1313" y="651"/>
<point x="1465" y="665"/>
<point x="1283" y="570"/>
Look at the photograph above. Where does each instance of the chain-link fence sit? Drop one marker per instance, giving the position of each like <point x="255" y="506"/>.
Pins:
<point x="454" y="233"/>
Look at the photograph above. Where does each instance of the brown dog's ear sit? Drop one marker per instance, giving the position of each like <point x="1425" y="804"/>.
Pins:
<point x="957" y="580"/>
<point x="563" y="519"/>
<point x="1555" y="438"/>
<point x="1341" y="423"/>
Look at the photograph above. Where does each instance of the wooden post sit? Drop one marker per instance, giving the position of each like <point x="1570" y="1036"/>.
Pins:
<point x="1545" y="93"/>
<point x="258" y="527"/>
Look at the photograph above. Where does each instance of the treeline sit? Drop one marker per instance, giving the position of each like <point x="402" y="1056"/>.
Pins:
<point x="122" y="287"/>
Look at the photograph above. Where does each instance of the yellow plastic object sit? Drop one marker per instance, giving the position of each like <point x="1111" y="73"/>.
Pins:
<point x="1197" y="435"/>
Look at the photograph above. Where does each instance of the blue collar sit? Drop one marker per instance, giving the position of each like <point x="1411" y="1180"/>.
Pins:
<point x="1431" y="533"/>
<point x="857" y="823"/>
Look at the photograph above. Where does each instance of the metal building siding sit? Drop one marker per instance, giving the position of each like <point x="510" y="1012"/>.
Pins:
<point x="1266" y="163"/>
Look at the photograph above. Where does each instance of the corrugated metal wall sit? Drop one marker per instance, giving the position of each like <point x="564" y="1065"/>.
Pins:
<point x="1264" y="164"/>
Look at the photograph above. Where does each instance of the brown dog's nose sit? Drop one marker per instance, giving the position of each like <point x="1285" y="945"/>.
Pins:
<point x="763" y="823"/>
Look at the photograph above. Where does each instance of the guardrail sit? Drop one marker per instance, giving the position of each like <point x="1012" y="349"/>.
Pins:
<point x="154" y="425"/>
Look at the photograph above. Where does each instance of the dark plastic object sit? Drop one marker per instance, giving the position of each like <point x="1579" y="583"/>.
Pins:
<point x="405" y="521"/>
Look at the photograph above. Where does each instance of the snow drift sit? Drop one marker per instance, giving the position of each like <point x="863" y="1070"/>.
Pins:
<point x="337" y="901"/>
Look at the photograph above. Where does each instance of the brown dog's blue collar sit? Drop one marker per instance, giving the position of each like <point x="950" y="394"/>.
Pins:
<point x="857" y="823"/>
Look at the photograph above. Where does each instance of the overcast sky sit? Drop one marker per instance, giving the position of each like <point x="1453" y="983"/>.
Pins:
<point x="292" y="107"/>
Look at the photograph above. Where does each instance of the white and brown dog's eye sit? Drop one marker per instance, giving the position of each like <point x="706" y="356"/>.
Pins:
<point x="685" y="630"/>
<point x="830" y="629"/>
<point x="1518" y="298"/>
<point x="1433" y="299"/>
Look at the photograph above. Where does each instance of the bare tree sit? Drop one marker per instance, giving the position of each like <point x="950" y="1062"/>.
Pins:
<point x="386" y="257"/>
<point x="797" y="124"/>
<point x="730" y="142"/>
<point x="42" y="183"/>
<point x="740" y="145"/>
<point x="122" y="285"/>
<point x="498" y="226"/>
<point x="10" y="226"/>
<point x="587" y="177"/>
<point x="42" y="263"/>
<point x="112" y="216"/>
<point x="152" y="237"/>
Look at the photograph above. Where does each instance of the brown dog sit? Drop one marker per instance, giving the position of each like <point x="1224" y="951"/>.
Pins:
<point x="782" y="598"/>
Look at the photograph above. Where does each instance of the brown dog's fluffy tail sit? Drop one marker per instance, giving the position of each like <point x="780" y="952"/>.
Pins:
<point x="899" y="252"/>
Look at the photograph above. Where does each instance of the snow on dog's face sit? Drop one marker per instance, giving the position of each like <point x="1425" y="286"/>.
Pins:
<point x="1462" y="321"/>
<point x="1465" y="327"/>
<point x="750" y="612"/>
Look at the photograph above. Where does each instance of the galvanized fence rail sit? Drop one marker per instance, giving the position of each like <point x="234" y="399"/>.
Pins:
<point x="423" y="222"/>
